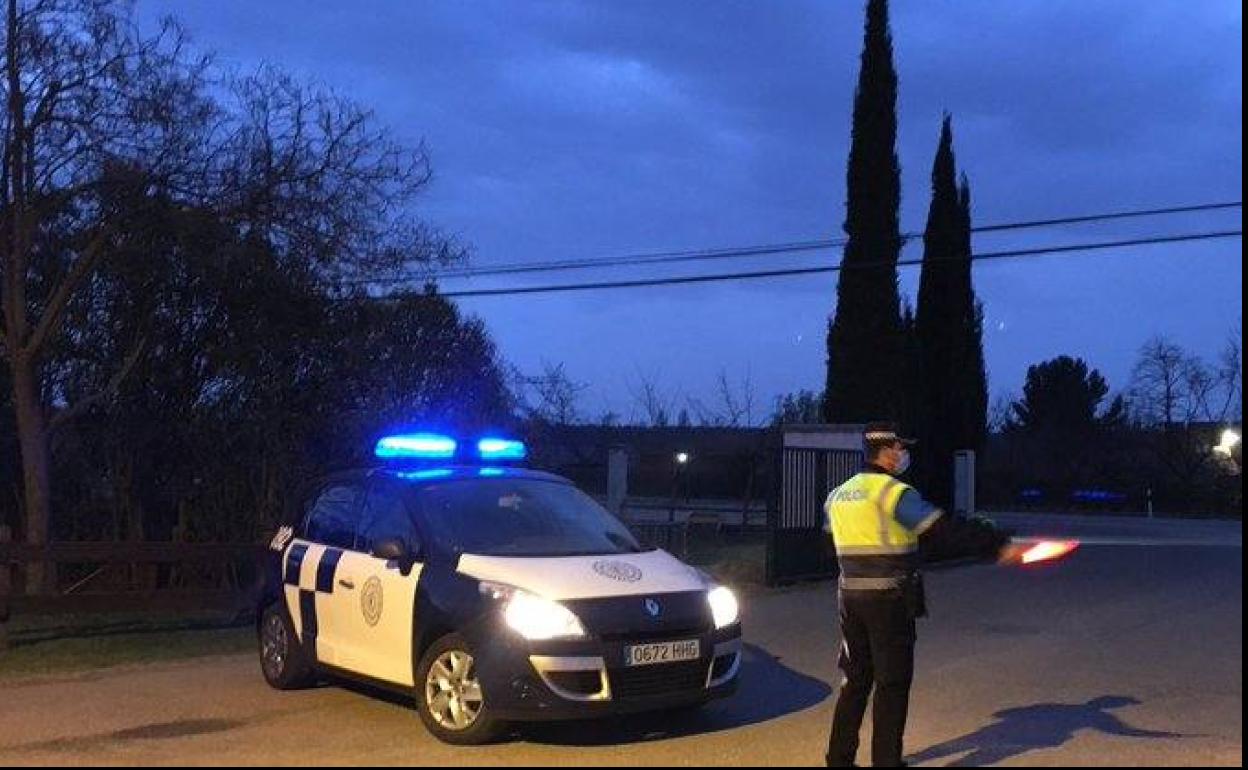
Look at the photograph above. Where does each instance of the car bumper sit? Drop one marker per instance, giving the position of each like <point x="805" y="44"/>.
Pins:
<point x="579" y="680"/>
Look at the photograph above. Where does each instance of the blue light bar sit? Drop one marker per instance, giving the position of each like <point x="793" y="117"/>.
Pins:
<point x="491" y="472"/>
<point x="416" y="446"/>
<point x="501" y="449"/>
<point x="427" y="474"/>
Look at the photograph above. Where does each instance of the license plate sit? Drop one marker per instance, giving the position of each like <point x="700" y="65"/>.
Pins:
<point x="662" y="652"/>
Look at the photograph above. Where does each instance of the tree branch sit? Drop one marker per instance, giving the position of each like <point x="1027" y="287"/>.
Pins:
<point x="50" y="321"/>
<point x="83" y="405"/>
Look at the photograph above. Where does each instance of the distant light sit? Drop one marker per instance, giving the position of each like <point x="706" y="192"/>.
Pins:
<point x="501" y="449"/>
<point x="416" y="446"/>
<point x="1230" y="440"/>
<point x="426" y="474"/>
<point x="682" y="458"/>
<point x="1048" y="550"/>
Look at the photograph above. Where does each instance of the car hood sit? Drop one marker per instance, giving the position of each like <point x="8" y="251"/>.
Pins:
<point x="587" y="577"/>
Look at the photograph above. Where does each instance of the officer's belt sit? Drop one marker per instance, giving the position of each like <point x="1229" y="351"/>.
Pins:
<point x="895" y="565"/>
<point x="871" y="583"/>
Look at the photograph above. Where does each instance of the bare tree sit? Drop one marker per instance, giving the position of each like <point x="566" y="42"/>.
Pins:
<point x="1172" y="387"/>
<point x="656" y="407"/>
<point x="1158" y="382"/>
<point x="557" y="395"/>
<point x="317" y="177"/>
<point x="737" y="405"/>
<point x="1183" y="398"/>
<point x="1231" y="375"/>
<point x="733" y="405"/>
<point x="90" y="102"/>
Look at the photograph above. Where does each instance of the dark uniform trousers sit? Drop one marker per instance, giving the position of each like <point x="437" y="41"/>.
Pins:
<point x="877" y="652"/>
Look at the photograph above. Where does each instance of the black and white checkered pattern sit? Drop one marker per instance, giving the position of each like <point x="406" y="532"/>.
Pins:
<point x="321" y="581"/>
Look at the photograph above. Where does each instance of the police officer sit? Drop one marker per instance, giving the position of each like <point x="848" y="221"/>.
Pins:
<point x="875" y="520"/>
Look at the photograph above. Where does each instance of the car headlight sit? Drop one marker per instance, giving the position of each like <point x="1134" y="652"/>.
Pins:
<point x="724" y="606"/>
<point x="533" y="617"/>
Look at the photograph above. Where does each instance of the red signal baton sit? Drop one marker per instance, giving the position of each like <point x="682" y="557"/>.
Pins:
<point x="1032" y="551"/>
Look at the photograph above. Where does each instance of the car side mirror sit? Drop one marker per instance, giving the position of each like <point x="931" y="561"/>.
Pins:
<point x="395" y="550"/>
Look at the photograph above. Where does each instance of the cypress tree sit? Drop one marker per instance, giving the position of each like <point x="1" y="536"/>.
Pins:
<point x="911" y="405"/>
<point x="865" y="344"/>
<point x="951" y="389"/>
<point x="975" y="403"/>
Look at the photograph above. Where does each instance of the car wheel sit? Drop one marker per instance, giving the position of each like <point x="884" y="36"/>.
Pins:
<point x="449" y="696"/>
<point x="282" y="660"/>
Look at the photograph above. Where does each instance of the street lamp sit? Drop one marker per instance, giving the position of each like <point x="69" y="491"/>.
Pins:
<point x="680" y="463"/>
<point x="1230" y="440"/>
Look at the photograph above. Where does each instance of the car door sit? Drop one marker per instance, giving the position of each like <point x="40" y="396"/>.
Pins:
<point x="378" y="632"/>
<point x="313" y="595"/>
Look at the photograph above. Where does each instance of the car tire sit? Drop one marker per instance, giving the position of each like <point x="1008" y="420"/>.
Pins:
<point x="282" y="659"/>
<point x="449" y="696"/>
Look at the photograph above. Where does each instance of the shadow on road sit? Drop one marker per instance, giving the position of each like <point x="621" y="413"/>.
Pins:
<point x="181" y="728"/>
<point x="768" y="690"/>
<point x="1042" y="726"/>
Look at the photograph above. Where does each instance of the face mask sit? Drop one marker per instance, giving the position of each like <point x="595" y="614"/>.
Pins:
<point x="903" y="463"/>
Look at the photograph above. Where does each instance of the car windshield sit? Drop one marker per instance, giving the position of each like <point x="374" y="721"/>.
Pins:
<point x="521" y="517"/>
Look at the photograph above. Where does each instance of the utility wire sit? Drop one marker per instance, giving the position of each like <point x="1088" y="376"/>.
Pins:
<point x="1106" y="217"/>
<point x="649" y="258"/>
<point x="758" y="274"/>
<point x="696" y="255"/>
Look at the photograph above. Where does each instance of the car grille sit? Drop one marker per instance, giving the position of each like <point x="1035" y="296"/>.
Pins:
<point x="663" y="679"/>
<point x="653" y="635"/>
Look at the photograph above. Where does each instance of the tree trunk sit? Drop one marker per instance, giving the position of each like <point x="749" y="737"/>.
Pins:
<point x="32" y="436"/>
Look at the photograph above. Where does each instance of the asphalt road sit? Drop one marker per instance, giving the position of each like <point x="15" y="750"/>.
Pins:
<point x="1128" y="653"/>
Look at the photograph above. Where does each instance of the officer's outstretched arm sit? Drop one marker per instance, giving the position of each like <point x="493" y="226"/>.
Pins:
<point x="956" y="537"/>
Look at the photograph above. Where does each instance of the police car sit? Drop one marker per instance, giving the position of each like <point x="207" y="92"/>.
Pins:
<point x="490" y="592"/>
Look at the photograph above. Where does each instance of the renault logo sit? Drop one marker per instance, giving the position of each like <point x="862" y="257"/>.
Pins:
<point x="653" y="608"/>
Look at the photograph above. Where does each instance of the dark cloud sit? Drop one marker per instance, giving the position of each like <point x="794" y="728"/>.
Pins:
<point x="566" y="129"/>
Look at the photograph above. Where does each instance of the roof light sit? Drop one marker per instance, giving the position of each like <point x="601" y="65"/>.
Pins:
<point x="427" y="474"/>
<point x="501" y="449"/>
<point x="416" y="446"/>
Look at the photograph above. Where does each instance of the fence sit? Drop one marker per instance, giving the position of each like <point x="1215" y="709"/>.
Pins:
<point x="677" y="526"/>
<point x="181" y="577"/>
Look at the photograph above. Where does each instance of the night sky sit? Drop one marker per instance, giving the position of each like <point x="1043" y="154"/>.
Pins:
<point x="562" y="130"/>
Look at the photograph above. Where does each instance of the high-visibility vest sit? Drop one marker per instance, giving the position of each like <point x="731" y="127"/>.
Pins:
<point x="875" y="550"/>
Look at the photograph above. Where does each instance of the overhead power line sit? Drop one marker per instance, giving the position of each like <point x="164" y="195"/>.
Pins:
<point x="1106" y="217"/>
<point x="760" y="274"/>
<point x="697" y="255"/>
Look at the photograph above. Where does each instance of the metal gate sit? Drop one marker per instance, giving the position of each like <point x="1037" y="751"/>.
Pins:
<point x="813" y="460"/>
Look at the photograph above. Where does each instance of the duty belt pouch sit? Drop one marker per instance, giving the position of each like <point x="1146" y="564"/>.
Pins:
<point x="914" y="595"/>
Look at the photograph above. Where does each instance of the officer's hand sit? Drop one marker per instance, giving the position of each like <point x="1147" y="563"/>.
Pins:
<point x="1012" y="553"/>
